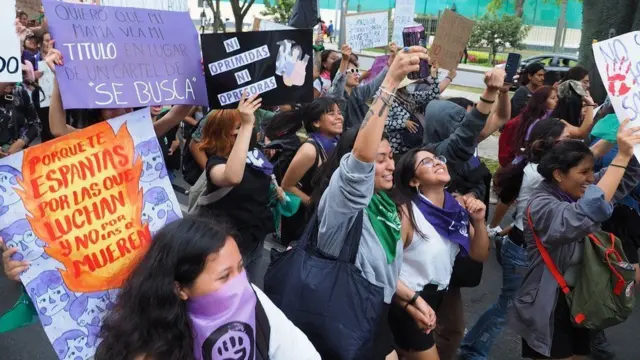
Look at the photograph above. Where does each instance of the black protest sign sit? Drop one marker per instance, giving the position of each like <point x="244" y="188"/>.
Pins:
<point x="277" y="64"/>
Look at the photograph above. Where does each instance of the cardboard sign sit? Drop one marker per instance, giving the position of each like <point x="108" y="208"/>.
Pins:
<point x="81" y="209"/>
<point x="367" y="30"/>
<point x="276" y="64"/>
<point x="123" y="57"/>
<point x="46" y="83"/>
<point x="404" y="15"/>
<point x="168" y="5"/>
<point x="451" y="39"/>
<point x="618" y="62"/>
<point x="266" y="25"/>
<point x="10" y="67"/>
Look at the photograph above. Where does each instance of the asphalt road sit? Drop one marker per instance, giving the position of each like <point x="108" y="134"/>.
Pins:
<point x="31" y="343"/>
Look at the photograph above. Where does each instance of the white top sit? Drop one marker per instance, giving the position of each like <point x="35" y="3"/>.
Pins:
<point x="287" y="341"/>
<point x="427" y="260"/>
<point x="322" y="85"/>
<point x="530" y="182"/>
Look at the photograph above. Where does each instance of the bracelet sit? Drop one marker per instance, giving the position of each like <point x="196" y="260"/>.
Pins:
<point x="486" y="100"/>
<point x="449" y="77"/>
<point x="413" y="300"/>
<point x="618" y="166"/>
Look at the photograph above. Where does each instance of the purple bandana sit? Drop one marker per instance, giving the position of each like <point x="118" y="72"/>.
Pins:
<point x="327" y="143"/>
<point x="451" y="221"/>
<point x="257" y="160"/>
<point x="224" y="322"/>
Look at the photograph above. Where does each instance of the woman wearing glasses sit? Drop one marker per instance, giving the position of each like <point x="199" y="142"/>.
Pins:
<point x="439" y="227"/>
<point x="345" y="86"/>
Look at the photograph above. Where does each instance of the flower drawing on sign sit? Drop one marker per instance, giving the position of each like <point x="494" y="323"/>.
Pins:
<point x="291" y="63"/>
<point x="618" y="77"/>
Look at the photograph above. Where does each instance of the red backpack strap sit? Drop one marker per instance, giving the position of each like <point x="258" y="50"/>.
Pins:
<point x="620" y="284"/>
<point x="547" y="259"/>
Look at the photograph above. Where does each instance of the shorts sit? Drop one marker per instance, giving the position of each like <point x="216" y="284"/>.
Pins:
<point x="567" y="340"/>
<point x="406" y="334"/>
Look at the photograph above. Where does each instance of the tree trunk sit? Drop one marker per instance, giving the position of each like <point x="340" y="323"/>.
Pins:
<point x="599" y="19"/>
<point x="217" y="20"/>
<point x="519" y="8"/>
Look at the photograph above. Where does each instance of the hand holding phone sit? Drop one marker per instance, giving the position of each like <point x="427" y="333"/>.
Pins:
<point x="512" y="66"/>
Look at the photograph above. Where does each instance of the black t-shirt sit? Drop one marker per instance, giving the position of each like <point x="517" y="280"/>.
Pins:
<point x="246" y="206"/>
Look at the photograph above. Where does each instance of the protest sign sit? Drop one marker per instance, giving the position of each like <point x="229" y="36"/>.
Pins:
<point x="403" y="16"/>
<point x="451" y="39"/>
<point x="10" y="68"/>
<point x="46" y="84"/>
<point x="168" y="5"/>
<point x="266" y="25"/>
<point x="276" y="64"/>
<point x="81" y="209"/>
<point x="367" y="30"/>
<point x="124" y="57"/>
<point x="618" y="62"/>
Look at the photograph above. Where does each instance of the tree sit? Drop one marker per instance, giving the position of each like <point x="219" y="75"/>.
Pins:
<point x="495" y="33"/>
<point x="214" y="5"/>
<point x="495" y="5"/>
<point x="240" y="9"/>
<point x="280" y="12"/>
<point x="600" y="21"/>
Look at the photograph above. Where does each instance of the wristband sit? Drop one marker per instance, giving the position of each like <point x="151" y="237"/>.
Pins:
<point x="413" y="300"/>
<point x="486" y="100"/>
<point x="618" y="166"/>
<point x="449" y="77"/>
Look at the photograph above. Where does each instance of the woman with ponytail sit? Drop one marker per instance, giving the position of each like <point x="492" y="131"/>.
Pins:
<point x="515" y="182"/>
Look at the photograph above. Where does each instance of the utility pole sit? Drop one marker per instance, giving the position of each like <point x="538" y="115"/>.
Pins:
<point x="562" y="25"/>
<point x="343" y="23"/>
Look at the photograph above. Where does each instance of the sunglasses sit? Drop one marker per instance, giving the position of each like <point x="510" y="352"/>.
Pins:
<point x="353" y="71"/>
<point x="429" y="162"/>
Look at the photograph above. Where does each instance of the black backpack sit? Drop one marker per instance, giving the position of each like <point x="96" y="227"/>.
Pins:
<point x="191" y="171"/>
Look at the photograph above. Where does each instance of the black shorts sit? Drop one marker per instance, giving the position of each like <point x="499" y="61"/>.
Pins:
<point x="383" y="340"/>
<point x="567" y="340"/>
<point x="406" y="334"/>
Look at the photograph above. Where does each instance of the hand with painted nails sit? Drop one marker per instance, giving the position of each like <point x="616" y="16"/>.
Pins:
<point x="408" y="60"/>
<point x="12" y="268"/>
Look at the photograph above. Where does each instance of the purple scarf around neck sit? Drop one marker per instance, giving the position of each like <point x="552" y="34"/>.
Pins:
<point x="451" y="221"/>
<point x="327" y="143"/>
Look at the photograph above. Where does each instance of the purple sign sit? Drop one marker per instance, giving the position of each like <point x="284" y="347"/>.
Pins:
<point x="378" y="65"/>
<point x="116" y="57"/>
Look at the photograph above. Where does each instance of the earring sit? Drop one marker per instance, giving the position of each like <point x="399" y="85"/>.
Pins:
<point x="418" y="189"/>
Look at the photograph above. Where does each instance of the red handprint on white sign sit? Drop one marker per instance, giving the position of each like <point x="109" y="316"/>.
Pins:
<point x="620" y="82"/>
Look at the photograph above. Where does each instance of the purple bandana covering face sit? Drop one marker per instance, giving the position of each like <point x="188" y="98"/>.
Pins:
<point x="224" y="322"/>
<point x="451" y="221"/>
<point x="257" y="160"/>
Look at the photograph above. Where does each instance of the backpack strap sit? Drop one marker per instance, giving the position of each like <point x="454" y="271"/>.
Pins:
<point x="547" y="258"/>
<point x="620" y="283"/>
<point x="263" y="332"/>
<point x="352" y="241"/>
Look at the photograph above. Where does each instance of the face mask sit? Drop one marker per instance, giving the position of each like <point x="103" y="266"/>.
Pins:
<point x="223" y="321"/>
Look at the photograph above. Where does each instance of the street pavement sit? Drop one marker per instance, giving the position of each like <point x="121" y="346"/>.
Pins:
<point x="30" y="343"/>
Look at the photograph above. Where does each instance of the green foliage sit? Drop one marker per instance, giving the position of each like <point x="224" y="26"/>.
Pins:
<point x="494" y="33"/>
<point x="518" y="5"/>
<point x="280" y="11"/>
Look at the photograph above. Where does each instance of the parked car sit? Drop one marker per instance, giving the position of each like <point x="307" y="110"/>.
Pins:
<point x="556" y="66"/>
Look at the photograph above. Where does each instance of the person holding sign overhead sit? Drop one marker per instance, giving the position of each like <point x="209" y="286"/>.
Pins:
<point x="58" y="116"/>
<point x="345" y="77"/>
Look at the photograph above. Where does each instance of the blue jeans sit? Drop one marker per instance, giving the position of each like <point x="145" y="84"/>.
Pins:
<point x="479" y="340"/>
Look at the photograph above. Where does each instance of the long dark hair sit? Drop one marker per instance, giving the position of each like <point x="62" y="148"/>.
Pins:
<point x="288" y="123"/>
<point x="321" y="179"/>
<point x="149" y="318"/>
<point x="324" y="56"/>
<point x="403" y="193"/>
<point x="508" y="180"/>
<point x="535" y="109"/>
<point x="576" y="73"/>
<point x="563" y="156"/>
<point x="569" y="108"/>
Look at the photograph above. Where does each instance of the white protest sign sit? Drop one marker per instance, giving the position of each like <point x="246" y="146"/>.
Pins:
<point x="169" y="5"/>
<point x="403" y="16"/>
<point x="46" y="84"/>
<point x="266" y="25"/>
<point x="618" y="62"/>
<point x="10" y="68"/>
<point x="367" y="30"/>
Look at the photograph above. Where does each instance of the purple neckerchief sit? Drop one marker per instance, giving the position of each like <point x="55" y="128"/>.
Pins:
<point x="474" y="162"/>
<point x="224" y="321"/>
<point x="257" y="160"/>
<point x="563" y="195"/>
<point x="451" y="221"/>
<point x="327" y="143"/>
<point x="546" y="115"/>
